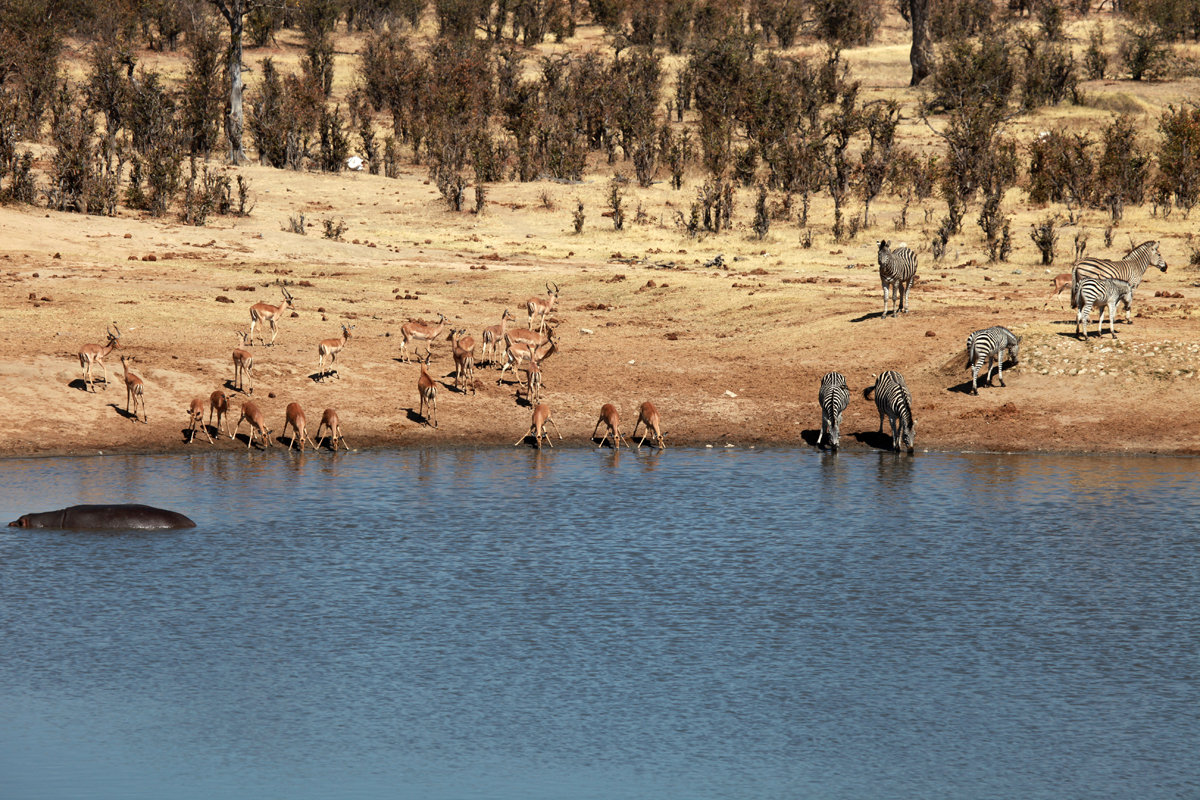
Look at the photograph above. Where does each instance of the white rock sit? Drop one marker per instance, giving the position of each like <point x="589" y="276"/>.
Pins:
<point x="727" y="393"/>
<point x="586" y="331"/>
<point x="355" y="163"/>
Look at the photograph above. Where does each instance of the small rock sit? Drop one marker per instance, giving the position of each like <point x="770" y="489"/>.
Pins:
<point x="129" y="236"/>
<point x="585" y="331"/>
<point x="729" y="393"/>
<point x="930" y="334"/>
<point x="271" y="394"/>
<point x="58" y="255"/>
<point x="223" y="299"/>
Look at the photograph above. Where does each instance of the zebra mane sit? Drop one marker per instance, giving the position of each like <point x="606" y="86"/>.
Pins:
<point x="1143" y="246"/>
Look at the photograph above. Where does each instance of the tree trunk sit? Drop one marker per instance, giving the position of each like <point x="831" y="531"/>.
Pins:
<point x="235" y="12"/>
<point x="921" y="55"/>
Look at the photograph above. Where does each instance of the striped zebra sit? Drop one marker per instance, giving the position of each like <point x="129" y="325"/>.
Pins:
<point x="833" y="397"/>
<point x="989" y="345"/>
<point x="1105" y="293"/>
<point x="1130" y="269"/>
<point x="897" y="268"/>
<point x="893" y="400"/>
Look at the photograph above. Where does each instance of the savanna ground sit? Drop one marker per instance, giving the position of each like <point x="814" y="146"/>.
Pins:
<point x="731" y="355"/>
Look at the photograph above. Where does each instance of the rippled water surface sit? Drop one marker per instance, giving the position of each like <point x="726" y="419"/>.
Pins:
<point x="573" y="624"/>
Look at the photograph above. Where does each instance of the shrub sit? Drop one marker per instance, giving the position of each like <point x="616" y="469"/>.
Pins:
<point x="1179" y="155"/>
<point x="1145" y="53"/>
<point x="1045" y="237"/>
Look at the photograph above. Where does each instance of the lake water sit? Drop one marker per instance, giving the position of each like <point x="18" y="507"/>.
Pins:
<point x="576" y="624"/>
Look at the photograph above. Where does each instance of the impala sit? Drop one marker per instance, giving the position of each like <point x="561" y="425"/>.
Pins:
<point x="134" y="390"/>
<point x="464" y="360"/>
<point x="295" y="418"/>
<point x="252" y="414"/>
<point x="91" y="354"/>
<point x="330" y="419"/>
<point x="516" y="353"/>
<point x="541" y="306"/>
<point x="196" y="417"/>
<point x="528" y="337"/>
<point x="264" y="312"/>
<point x="648" y="414"/>
<point x="1060" y="282"/>
<point x="218" y="403"/>
<point x="533" y="381"/>
<point x="415" y="331"/>
<point x="610" y="418"/>
<point x="331" y="348"/>
<point x="243" y="365"/>
<point x="537" y="428"/>
<point x="493" y="335"/>
<point x="428" y="391"/>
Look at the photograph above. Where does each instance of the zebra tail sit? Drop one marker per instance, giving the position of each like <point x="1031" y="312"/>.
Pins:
<point x="867" y="392"/>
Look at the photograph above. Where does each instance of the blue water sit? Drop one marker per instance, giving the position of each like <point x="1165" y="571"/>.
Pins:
<point x="574" y="624"/>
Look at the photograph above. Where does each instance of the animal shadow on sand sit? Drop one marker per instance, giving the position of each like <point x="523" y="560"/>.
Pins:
<point x="874" y="439"/>
<point x="871" y="315"/>
<point x="81" y="384"/>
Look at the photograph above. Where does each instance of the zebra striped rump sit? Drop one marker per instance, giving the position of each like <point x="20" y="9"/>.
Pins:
<point x="894" y="401"/>
<point x="989" y="345"/>
<point x="833" y="397"/>
<point x="897" y="268"/>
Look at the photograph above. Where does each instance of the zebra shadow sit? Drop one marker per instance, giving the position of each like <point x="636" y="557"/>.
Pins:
<point x="874" y="439"/>
<point x="871" y="315"/>
<point x="810" y="437"/>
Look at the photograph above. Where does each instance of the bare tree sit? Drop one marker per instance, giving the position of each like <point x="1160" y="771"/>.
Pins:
<point x="921" y="54"/>
<point x="235" y="12"/>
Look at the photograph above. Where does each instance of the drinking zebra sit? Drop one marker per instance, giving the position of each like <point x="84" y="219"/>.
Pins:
<point x="897" y="268"/>
<point x="989" y="345"/>
<point x="894" y="401"/>
<point x="833" y="397"/>
<point x="1130" y="269"/>
<point x="1104" y="293"/>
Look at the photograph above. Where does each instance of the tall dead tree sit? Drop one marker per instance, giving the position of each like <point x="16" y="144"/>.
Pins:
<point x="234" y="12"/>
<point x="921" y="55"/>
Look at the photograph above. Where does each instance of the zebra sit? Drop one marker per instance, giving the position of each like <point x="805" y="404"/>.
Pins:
<point x="893" y="400"/>
<point x="833" y="397"/>
<point x="896" y="268"/>
<point x="1130" y="269"/>
<point x="1105" y="293"/>
<point x="989" y="345"/>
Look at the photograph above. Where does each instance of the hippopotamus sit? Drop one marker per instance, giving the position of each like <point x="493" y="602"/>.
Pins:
<point x="121" y="516"/>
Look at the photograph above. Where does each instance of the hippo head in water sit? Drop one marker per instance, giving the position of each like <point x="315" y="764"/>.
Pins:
<point x="126" y="516"/>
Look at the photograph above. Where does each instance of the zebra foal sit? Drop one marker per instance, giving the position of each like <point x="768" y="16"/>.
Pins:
<point x="989" y="345"/>
<point x="893" y="400"/>
<point x="1130" y="269"/>
<point x="1105" y="293"/>
<point x="833" y="397"/>
<point x="897" y="268"/>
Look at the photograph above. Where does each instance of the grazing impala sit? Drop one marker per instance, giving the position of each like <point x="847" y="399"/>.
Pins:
<point x="218" y="403"/>
<point x="649" y="415"/>
<point x="415" y="331"/>
<point x="252" y="414"/>
<point x="330" y="419"/>
<point x="515" y="354"/>
<point x="428" y="390"/>
<point x="295" y="418"/>
<point x="264" y="312"/>
<point x="1060" y="282"/>
<point x="537" y="427"/>
<point x="493" y="335"/>
<point x="464" y="360"/>
<point x="134" y="390"/>
<point x="243" y="365"/>
<point x="610" y="418"/>
<point x="91" y="354"/>
<point x="331" y="348"/>
<point x="540" y="306"/>
<point x="196" y="418"/>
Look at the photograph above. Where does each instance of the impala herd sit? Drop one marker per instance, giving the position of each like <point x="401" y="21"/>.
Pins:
<point x="525" y="350"/>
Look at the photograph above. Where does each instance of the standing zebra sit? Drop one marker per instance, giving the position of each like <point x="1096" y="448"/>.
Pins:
<point x="1130" y="269"/>
<point x="989" y="345"/>
<point x="897" y="268"/>
<point x="1105" y="293"/>
<point x="833" y="397"/>
<point x="894" y="401"/>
